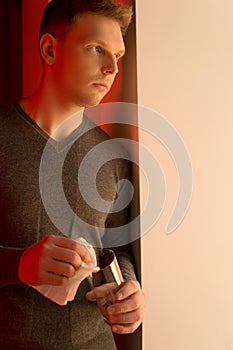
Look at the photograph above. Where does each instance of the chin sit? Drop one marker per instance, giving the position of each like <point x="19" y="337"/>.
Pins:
<point x="93" y="103"/>
<point x="89" y="100"/>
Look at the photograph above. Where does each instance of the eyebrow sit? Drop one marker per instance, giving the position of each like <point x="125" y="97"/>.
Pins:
<point x="102" y="43"/>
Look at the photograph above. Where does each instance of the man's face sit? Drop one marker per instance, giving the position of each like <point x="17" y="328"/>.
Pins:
<point x="86" y="61"/>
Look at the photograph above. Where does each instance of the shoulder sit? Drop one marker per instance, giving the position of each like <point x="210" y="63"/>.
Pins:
<point x="5" y="111"/>
<point x="106" y="153"/>
<point x="7" y="114"/>
<point x="97" y="137"/>
<point x="8" y="124"/>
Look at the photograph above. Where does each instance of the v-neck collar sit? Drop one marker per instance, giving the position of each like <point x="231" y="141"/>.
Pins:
<point x="58" y="145"/>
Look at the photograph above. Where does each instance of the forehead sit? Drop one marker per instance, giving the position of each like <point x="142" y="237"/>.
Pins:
<point x="90" y="27"/>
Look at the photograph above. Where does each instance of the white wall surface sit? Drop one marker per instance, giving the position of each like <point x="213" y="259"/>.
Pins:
<point x="185" y="68"/>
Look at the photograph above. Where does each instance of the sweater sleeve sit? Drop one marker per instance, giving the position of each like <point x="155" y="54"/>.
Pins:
<point x="9" y="262"/>
<point x="125" y="259"/>
<point x="121" y="243"/>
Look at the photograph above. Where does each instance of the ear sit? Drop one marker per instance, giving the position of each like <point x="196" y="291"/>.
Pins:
<point x="47" y="48"/>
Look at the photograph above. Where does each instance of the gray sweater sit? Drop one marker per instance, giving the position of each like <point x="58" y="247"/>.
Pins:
<point x="28" y="320"/>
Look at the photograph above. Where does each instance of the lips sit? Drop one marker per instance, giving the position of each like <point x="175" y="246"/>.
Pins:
<point x="101" y="86"/>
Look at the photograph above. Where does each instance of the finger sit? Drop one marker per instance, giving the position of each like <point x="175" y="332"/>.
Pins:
<point x="127" y="305"/>
<point x="127" y="318"/>
<point x="59" y="268"/>
<point x="102" y="291"/>
<point x="125" y="329"/>
<point x="75" y="246"/>
<point x="49" y="278"/>
<point x="90" y="296"/>
<point x="127" y="289"/>
<point x="65" y="255"/>
<point x="72" y="245"/>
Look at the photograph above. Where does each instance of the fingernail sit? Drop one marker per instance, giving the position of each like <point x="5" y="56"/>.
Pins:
<point x="119" y="296"/>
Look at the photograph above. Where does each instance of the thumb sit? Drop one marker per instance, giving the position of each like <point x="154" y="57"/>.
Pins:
<point x="90" y="296"/>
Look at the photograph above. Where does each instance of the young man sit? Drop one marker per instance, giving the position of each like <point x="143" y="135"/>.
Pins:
<point x="81" y="42"/>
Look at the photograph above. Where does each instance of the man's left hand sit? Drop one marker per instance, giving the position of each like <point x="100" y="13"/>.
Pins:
<point x="127" y="312"/>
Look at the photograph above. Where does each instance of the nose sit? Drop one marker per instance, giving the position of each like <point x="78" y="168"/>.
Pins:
<point x="110" y="65"/>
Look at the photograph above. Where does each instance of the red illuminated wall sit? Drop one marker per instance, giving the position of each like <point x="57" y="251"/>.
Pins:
<point x="32" y="68"/>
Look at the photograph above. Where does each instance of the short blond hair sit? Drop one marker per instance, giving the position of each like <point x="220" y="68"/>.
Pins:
<point x="60" y="15"/>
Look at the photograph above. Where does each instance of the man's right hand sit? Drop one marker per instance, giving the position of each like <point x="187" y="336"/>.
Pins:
<point x="52" y="261"/>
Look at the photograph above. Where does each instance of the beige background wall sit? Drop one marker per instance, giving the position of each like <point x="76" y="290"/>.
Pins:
<point x="185" y="67"/>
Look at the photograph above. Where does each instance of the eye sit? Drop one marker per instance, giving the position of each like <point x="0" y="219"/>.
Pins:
<point x="98" y="49"/>
<point x="117" y="57"/>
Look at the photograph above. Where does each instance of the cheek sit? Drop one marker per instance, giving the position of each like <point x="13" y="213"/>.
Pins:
<point x="75" y="68"/>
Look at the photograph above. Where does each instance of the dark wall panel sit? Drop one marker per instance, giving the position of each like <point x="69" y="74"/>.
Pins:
<point x="11" y="50"/>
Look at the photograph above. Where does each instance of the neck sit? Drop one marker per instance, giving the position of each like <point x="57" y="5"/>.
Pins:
<point x="58" y="118"/>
